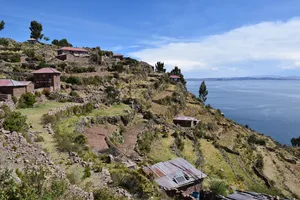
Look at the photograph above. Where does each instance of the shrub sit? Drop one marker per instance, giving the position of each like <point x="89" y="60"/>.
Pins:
<point x="46" y="92"/>
<point x="253" y="139"/>
<point x="29" y="52"/>
<point x="218" y="188"/>
<point x="33" y="185"/>
<point x="87" y="172"/>
<point x="80" y="139"/>
<point x="134" y="182"/>
<point x="105" y="193"/>
<point x="39" y="138"/>
<point x="259" y="162"/>
<point x="74" y="94"/>
<point x="4" y="42"/>
<point x="73" y="177"/>
<point x="15" y="121"/>
<point x="27" y="100"/>
<point x="15" y="99"/>
<point x="179" y="143"/>
<point x="211" y="126"/>
<point x="37" y="94"/>
<point x="74" y="80"/>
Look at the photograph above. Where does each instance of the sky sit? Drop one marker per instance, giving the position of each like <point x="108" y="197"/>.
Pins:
<point x="204" y="38"/>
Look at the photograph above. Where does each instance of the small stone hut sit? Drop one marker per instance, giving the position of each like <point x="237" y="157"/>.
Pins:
<point x="185" y="121"/>
<point x="15" y="88"/>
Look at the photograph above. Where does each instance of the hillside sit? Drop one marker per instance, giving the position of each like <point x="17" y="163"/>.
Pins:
<point x="112" y="113"/>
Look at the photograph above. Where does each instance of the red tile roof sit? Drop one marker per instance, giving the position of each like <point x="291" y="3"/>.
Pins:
<point x="73" y="49"/>
<point x="12" y="83"/>
<point x="117" y="55"/>
<point x="174" y="76"/>
<point x="46" y="71"/>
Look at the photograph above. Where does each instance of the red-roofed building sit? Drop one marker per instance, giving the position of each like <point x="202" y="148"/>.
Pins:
<point x="175" y="78"/>
<point x="63" y="52"/>
<point x="47" y="78"/>
<point x="15" y="88"/>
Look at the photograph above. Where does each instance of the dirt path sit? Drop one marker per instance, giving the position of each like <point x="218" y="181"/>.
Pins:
<point x="130" y="139"/>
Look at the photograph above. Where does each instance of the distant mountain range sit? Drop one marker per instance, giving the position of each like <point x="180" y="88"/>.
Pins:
<point x="247" y="78"/>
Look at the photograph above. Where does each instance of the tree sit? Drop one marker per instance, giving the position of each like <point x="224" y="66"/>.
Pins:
<point x="36" y="30"/>
<point x="295" y="142"/>
<point x="46" y="38"/>
<point x="203" y="92"/>
<point x="2" y="23"/>
<point x="27" y="100"/>
<point x="160" y="67"/>
<point x="176" y="71"/>
<point x="62" y="43"/>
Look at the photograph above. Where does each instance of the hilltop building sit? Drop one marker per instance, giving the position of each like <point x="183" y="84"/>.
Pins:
<point x="175" y="78"/>
<point x="9" y="87"/>
<point x="66" y="52"/>
<point x="47" y="78"/>
<point x="185" y="121"/>
<point x="32" y="41"/>
<point x="118" y="56"/>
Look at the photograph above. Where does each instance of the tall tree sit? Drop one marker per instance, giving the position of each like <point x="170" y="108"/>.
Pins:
<point x="203" y="92"/>
<point x="2" y="23"/>
<point x="36" y="30"/>
<point x="295" y="142"/>
<point x="176" y="71"/>
<point x="160" y="67"/>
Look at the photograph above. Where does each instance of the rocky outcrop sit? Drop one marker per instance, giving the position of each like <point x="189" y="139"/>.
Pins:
<point x="17" y="153"/>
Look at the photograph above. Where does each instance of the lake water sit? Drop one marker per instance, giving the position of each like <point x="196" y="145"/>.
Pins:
<point x="271" y="107"/>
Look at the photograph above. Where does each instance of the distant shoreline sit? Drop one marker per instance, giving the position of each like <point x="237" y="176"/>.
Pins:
<point x="245" y="78"/>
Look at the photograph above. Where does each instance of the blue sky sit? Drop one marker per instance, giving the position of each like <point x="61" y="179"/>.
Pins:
<point x="205" y="38"/>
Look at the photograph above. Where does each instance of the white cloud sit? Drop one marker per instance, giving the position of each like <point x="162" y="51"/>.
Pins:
<point x="265" y="41"/>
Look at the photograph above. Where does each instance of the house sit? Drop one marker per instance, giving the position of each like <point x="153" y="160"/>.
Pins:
<point x="15" y="88"/>
<point x="238" y="195"/>
<point x="185" y="121"/>
<point x="118" y="56"/>
<point x="47" y="78"/>
<point x="176" y="175"/>
<point x="64" y="52"/>
<point x="175" y="78"/>
<point x="33" y="41"/>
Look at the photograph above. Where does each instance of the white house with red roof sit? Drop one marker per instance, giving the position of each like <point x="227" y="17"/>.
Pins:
<point x="63" y="52"/>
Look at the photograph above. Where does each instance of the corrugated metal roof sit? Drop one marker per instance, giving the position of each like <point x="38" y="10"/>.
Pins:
<point x="175" y="173"/>
<point x="239" y="195"/>
<point x="73" y="49"/>
<point x="12" y="83"/>
<point x="185" y="118"/>
<point x="46" y="71"/>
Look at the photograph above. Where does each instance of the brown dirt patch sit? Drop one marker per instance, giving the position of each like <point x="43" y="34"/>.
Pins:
<point x="130" y="139"/>
<point x="96" y="136"/>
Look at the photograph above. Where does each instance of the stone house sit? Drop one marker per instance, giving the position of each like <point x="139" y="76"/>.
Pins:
<point x="33" y="41"/>
<point x="66" y="52"/>
<point x="118" y="56"/>
<point x="185" y="121"/>
<point x="15" y="88"/>
<point x="47" y="78"/>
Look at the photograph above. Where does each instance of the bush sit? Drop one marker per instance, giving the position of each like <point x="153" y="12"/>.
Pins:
<point x="15" y="121"/>
<point x="218" y="188"/>
<point x="27" y="100"/>
<point x="80" y="139"/>
<point x="74" y="80"/>
<point x="74" y="94"/>
<point x="29" y="52"/>
<point x="15" y="99"/>
<point x="46" y="92"/>
<point x="33" y="185"/>
<point x="37" y="94"/>
<point x="211" y="126"/>
<point x="179" y="143"/>
<point x="39" y="138"/>
<point x="4" y="42"/>
<point x="259" y="162"/>
<point x="87" y="172"/>
<point x="134" y="182"/>
<point x="104" y="193"/>
<point x="253" y="139"/>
